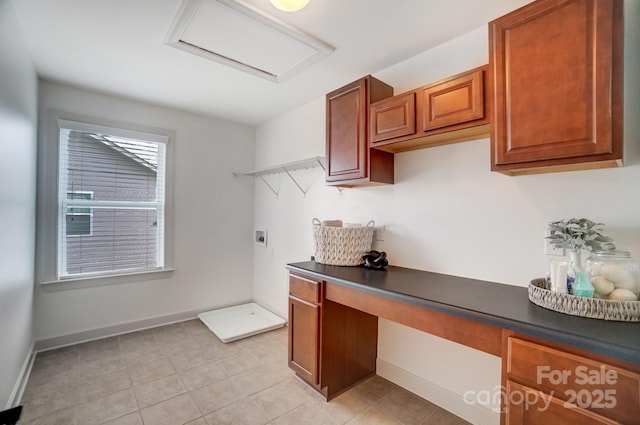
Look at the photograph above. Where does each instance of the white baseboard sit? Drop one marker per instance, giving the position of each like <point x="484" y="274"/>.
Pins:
<point x="23" y="377"/>
<point x="122" y="328"/>
<point x="454" y="403"/>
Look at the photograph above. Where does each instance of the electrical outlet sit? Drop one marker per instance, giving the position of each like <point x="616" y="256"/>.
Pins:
<point x="378" y="233"/>
<point x="549" y="249"/>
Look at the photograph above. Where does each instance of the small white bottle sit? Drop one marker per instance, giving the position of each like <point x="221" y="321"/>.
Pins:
<point x="559" y="276"/>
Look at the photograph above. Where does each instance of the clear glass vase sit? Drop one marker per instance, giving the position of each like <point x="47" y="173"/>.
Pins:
<point x="614" y="275"/>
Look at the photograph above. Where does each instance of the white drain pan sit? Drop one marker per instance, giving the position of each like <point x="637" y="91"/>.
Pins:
<point x="240" y="321"/>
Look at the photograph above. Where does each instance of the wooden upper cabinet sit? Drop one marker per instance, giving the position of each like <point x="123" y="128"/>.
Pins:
<point x="448" y="111"/>
<point x="349" y="160"/>
<point x="557" y="74"/>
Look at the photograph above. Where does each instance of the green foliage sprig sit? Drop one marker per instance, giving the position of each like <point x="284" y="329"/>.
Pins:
<point x="577" y="234"/>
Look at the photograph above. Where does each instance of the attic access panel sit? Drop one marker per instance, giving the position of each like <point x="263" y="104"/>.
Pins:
<point x="243" y="37"/>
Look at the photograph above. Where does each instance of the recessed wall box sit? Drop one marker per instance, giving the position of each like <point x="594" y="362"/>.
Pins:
<point x="261" y="237"/>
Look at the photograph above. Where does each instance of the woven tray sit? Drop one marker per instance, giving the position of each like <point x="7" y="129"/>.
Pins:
<point x="595" y="308"/>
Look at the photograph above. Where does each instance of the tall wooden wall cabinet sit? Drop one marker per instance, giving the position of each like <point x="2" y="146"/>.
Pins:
<point x="556" y="68"/>
<point x="349" y="159"/>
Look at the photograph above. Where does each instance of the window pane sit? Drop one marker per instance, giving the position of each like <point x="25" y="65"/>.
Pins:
<point x="87" y="196"/>
<point x="112" y="172"/>
<point x="78" y="224"/>
<point x="122" y="239"/>
<point x="112" y="195"/>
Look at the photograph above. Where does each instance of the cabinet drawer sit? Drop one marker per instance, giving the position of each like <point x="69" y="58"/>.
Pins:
<point x="528" y="406"/>
<point x="602" y="388"/>
<point x="304" y="288"/>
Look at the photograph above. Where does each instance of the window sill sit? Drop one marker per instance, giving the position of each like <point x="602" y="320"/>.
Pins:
<point x="105" y="280"/>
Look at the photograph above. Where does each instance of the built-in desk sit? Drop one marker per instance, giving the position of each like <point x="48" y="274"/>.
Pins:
<point x="491" y="317"/>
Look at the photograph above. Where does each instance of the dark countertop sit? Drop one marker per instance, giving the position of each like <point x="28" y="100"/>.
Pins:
<point x="496" y="304"/>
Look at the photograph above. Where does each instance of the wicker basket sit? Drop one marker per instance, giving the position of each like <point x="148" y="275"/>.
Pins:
<point x="341" y="246"/>
<point x="595" y="308"/>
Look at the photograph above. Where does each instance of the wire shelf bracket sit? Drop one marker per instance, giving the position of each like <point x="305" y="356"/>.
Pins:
<point x="287" y="168"/>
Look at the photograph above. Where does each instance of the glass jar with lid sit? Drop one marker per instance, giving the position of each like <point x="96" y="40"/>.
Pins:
<point x="614" y="275"/>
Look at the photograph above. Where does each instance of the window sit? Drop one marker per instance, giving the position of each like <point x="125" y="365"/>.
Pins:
<point x="104" y="193"/>
<point x="79" y="220"/>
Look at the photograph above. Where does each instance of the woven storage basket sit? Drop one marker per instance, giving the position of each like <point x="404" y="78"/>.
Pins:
<point x="595" y="308"/>
<point x="341" y="246"/>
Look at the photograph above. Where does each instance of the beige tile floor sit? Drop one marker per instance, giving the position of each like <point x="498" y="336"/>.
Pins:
<point x="182" y="374"/>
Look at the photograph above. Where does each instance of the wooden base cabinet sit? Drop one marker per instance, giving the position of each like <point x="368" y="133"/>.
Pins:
<point x="331" y="347"/>
<point x="550" y="384"/>
<point x="557" y="77"/>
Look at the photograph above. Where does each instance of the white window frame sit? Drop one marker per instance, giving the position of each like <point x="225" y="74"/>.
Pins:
<point x="48" y="213"/>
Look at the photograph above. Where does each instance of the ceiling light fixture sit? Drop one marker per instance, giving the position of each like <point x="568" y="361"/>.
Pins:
<point x="289" y="5"/>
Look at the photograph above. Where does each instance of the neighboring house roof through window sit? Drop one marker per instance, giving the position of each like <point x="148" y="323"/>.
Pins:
<point x="144" y="153"/>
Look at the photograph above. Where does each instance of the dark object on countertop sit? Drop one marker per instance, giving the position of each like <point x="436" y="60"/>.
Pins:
<point x="10" y="416"/>
<point x="375" y="260"/>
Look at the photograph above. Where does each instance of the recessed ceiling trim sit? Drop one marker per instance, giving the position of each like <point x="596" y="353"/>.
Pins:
<point x="311" y="48"/>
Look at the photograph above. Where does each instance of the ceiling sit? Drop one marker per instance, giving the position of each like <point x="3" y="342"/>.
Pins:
<point x="118" y="47"/>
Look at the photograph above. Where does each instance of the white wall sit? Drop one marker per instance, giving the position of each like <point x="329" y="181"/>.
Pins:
<point x="213" y="220"/>
<point x="18" y="115"/>
<point x="447" y="211"/>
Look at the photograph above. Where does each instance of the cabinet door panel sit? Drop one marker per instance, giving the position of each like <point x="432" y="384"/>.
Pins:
<point x="454" y="101"/>
<point x="605" y="389"/>
<point x="393" y="117"/>
<point x="346" y="132"/>
<point x="304" y="323"/>
<point x="349" y="160"/>
<point x="555" y="84"/>
<point x="527" y="406"/>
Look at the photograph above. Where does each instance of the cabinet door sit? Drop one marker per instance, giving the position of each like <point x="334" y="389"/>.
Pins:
<point x="349" y="160"/>
<point x="347" y="156"/>
<point x="602" y="388"/>
<point x="393" y="117"/>
<point x="525" y="405"/>
<point x="557" y="76"/>
<point x="455" y="101"/>
<point x="304" y="343"/>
